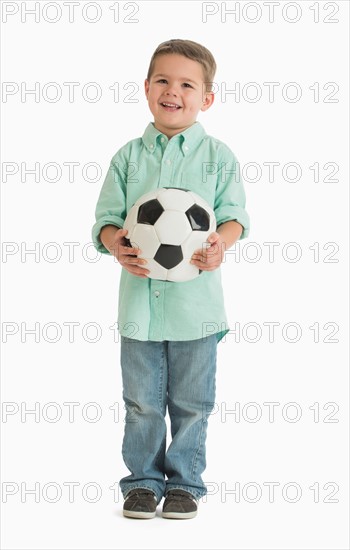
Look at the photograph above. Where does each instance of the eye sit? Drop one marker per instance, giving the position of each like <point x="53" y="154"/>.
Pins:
<point x="161" y="80"/>
<point x="187" y="85"/>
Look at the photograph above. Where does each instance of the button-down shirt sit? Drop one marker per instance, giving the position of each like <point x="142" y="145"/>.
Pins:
<point x="151" y="309"/>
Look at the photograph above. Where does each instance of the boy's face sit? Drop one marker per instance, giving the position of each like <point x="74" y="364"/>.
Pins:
<point x="177" y="81"/>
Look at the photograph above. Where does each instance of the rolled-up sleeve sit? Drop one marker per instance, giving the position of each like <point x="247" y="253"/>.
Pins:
<point x="230" y="195"/>
<point x="111" y="204"/>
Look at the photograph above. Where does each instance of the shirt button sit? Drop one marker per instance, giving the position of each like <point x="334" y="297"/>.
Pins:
<point x="186" y="148"/>
<point x="156" y="293"/>
<point x="162" y="139"/>
<point x="168" y="161"/>
<point x="151" y="146"/>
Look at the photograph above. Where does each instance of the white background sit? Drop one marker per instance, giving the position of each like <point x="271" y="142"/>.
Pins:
<point x="306" y="293"/>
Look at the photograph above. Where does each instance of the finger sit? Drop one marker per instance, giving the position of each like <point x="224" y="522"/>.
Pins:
<point x="213" y="237"/>
<point x="130" y="250"/>
<point x="133" y="260"/>
<point x="209" y="262"/>
<point x="199" y="258"/>
<point x="128" y="253"/>
<point x="213" y="248"/>
<point x="137" y="270"/>
<point x="198" y="263"/>
<point x="120" y="249"/>
<point x="205" y="255"/>
<point x="196" y="256"/>
<point x="205" y="247"/>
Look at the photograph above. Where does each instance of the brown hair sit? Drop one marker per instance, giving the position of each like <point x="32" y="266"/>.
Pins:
<point x="189" y="49"/>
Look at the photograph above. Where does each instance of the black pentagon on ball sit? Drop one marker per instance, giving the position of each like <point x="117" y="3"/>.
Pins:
<point x="149" y="212"/>
<point x="198" y="217"/>
<point x="169" y="255"/>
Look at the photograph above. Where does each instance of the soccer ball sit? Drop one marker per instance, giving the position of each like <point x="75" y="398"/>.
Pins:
<point x="168" y="225"/>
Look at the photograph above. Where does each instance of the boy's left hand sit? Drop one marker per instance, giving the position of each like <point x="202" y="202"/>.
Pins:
<point x="208" y="259"/>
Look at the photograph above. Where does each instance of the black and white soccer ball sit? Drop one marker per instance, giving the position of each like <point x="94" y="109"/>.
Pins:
<point x="168" y="225"/>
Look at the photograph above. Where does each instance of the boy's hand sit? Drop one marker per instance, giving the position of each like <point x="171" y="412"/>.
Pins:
<point x="210" y="258"/>
<point x="114" y="241"/>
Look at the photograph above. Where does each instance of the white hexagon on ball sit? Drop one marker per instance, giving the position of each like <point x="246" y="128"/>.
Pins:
<point x="145" y="237"/>
<point x="171" y="199"/>
<point x="172" y="227"/>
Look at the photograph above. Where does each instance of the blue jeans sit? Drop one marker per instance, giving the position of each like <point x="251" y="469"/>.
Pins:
<point x="179" y="375"/>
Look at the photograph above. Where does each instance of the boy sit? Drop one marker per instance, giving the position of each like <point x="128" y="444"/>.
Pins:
<point x="169" y="331"/>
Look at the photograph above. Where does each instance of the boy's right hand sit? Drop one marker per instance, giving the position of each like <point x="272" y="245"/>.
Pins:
<point x="114" y="240"/>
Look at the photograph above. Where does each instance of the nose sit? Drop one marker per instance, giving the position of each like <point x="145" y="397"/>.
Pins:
<point x="171" y="90"/>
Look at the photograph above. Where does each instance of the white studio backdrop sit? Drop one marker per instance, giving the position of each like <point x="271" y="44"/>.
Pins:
<point x="277" y="448"/>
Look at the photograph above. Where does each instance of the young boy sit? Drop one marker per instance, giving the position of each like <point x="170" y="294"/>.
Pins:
<point x="169" y="331"/>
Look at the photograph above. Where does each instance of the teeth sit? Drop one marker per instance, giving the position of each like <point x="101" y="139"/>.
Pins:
<point x="170" y="104"/>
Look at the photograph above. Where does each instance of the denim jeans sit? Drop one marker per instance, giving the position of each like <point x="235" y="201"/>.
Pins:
<point x="180" y="376"/>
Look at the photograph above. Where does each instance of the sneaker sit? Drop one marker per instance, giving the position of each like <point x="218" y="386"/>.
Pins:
<point x="179" y="504"/>
<point x="140" y="503"/>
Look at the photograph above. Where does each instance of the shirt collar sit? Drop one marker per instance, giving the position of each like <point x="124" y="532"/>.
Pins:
<point x="188" y="138"/>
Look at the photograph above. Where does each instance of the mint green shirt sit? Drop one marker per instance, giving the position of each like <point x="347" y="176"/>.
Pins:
<point x="149" y="309"/>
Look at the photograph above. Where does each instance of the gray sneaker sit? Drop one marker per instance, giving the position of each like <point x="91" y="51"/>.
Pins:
<point x="140" y="503"/>
<point x="179" y="504"/>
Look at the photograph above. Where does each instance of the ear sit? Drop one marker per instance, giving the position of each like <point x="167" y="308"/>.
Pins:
<point x="207" y="101"/>
<point x="146" y="87"/>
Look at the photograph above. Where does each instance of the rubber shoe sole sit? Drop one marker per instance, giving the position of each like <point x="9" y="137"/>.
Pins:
<point x="138" y="515"/>
<point x="179" y="515"/>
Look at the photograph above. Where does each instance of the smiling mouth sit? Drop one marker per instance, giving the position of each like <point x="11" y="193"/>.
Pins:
<point x="172" y="106"/>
